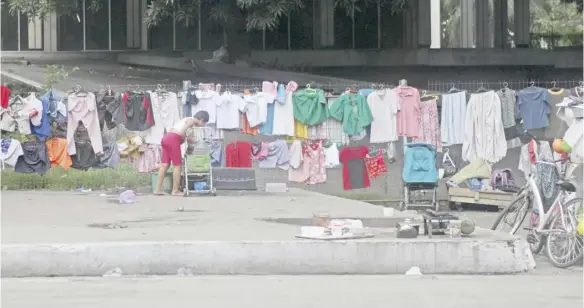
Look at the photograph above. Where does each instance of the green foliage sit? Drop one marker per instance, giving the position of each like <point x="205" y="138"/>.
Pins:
<point x="40" y="8"/>
<point x="59" y="179"/>
<point x="56" y="74"/>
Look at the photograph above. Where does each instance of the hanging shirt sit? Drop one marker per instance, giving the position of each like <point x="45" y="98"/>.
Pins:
<point x="310" y="106"/>
<point x="284" y="111"/>
<point x="408" y="117"/>
<point x="34" y="158"/>
<point x="238" y="155"/>
<point x="256" y="107"/>
<point x="267" y="127"/>
<point x="137" y="111"/>
<point x="298" y="171"/>
<point x="82" y="108"/>
<point x="246" y="128"/>
<point x="453" y="117"/>
<point x="300" y="130"/>
<point x="534" y="107"/>
<point x="429" y="131"/>
<point x="57" y="151"/>
<point x="484" y="132"/>
<point x="189" y="99"/>
<point x="4" y="96"/>
<point x="11" y="151"/>
<point x="315" y="160"/>
<point x="384" y="107"/>
<point x="228" y="110"/>
<point x="331" y="156"/>
<point x="508" y="99"/>
<point x="557" y="126"/>
<point x="208" y="101"/>
<point x="278" y="155"/>
<point x="354" y="170"/>
<point x="166" y="115"/>
<point x="353" y="111"/>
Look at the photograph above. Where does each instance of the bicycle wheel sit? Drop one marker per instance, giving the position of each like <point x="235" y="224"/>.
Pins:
<point x="513" y="215"/>
<point x="564" y="248"/>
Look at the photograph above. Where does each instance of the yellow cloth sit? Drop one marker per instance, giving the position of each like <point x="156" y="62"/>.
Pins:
<point x="476" y="169"/>
<point x="300" y="130"/>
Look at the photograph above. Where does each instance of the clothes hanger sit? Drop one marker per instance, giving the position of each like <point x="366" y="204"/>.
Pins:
<point x="309" y="89"/>
<point x="425" y="97"/>
<point x="453" y="89"/>
<point x="554" y="87"/>
<point x="482" y="89"/>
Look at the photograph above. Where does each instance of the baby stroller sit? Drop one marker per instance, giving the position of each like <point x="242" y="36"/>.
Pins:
<point x="419" y="174"/>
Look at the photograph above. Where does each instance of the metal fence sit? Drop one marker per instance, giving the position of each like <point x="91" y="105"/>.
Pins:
<point x="388" y="186"/>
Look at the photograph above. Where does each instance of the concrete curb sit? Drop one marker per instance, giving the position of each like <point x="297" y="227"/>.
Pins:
<point x="436" y="256"/>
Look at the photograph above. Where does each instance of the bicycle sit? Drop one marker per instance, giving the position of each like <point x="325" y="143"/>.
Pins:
<point x="556" y="222"/>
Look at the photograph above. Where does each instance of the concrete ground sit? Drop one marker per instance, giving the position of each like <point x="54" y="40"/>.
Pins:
<point x="549" y="291"/>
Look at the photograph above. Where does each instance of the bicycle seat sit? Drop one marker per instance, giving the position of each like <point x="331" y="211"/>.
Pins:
<point x="567" y="186"/>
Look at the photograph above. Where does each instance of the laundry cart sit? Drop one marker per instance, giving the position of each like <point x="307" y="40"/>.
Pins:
<point x="197" y="169"/>
<point x="420" y="175"/>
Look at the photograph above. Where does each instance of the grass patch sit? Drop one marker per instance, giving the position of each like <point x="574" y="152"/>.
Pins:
<point x="59" y="179"/>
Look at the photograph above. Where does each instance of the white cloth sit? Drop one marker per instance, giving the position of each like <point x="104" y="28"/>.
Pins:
<point x="256" y="107"/>
<point x="575" y="139"/>
<point x="208" y="101"/>
<point x="543" y="153"/>
<point x="331" y="156"/>
<point x="14" y="151"/>
<point x="166" y="114"/>
<point x="228" y="111"/>
<point x="484" y="135"/>
<point x="17" y="115"/>
<point x="384" y="107"/>
<point x="35" y="104"/>
<point x="284" y="117"/>
<point x="453" y="117"/>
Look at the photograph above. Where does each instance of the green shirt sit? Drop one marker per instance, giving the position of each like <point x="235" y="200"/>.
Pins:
<point x="310" y="106"/>
<point x="353" y="111"/>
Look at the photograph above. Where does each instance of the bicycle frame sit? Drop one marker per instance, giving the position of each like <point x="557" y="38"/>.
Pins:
<point x="545" y="216"/>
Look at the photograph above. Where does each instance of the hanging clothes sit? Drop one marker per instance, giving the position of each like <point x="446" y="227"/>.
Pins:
<point x="256" y="107"/>
<point x="238" y="155"/>
<point x="85" y="157"/>
<point x="353" y="111"/>
<point x="11" y="151"/>
<point x="43" y="129"/>
<point x="110" y="157"/>
<point x="34" y="159"/>
<point x="284" y="110"/>
<point x="534" y="107"/>
<point x="189" y="99"/>
<point x="17" y="116"/>
<point x="166" y="115"/>
<point x="208" y="101"/>
<point x="313" y="157"/>
<point x="278" y="155"/>
<point x="150" y="159"/>
<point x="408" y="117"/>
<point x="4" y="96"/>
<point x="246" y="128"/>
<point x="355" y="174"/>
<point x="310" y="106"/>
<point x="298" y="171"/>
<point x="331" y="156"/>
<point x="137" y="111"/>
<point x="300" y="130"/>
<point x="384" y="107"/>
<point x="82" y="108"/>
<point x="557" y="127"/>
<point x="375" y="164"/>
<point x="107" y="114"/>
<point x="228" y="110"/>
<point x="58" y="110"/>
<point x="453" y="117"/>
<point x="429" y="131"/>
<point x="532" y="152"/>
<point x="271" y="88"/>
<point x="484" y="133"/>
<point x="57" y="151"/>
<point x="217" y="154"/>
<point x="508" y="99"/>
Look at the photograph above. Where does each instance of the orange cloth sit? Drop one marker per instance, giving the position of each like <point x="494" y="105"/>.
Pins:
<point x="245" y="128"/>
<point x="58" y="156"/>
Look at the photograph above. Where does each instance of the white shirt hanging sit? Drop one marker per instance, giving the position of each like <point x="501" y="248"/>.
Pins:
<point x="284" y="117"/>
<point x="208" y="101"/>
<point x="384" y="107"/>
<point x="166" y="114"/>
<point x="228" y="110"/>
<point x="331" y="156"/>
<point x="256" y="107"/>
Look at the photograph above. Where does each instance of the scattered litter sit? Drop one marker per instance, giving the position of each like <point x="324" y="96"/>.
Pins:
<point x="291" y="199"/>
<point x="414" y="271"/>
<point x="116" y="272"/>
<point x="184" y="272"/>
<point x="103" y="195"/>
<point x="83" y="190"/>
<point x="180" y="209"/>
<point x="128" y="197"/>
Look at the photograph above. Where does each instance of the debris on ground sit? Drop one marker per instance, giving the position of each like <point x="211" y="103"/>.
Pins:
<point x="128" y="197"/>
<point x="116" y="272"/>
<point x="414" y="271"/>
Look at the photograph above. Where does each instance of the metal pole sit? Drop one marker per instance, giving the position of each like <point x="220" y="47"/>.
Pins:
<point x="109" y="20"/>
<point x="84" y="30"/>
<point x="289" y="35"/>
<point x="264" y="38"/>
<point x="18" y="31"/>
<point x="173" y="29"/>
<point x="379" y="24"/>
<point x="199" y="28"/>
<point x="353" y="24"/>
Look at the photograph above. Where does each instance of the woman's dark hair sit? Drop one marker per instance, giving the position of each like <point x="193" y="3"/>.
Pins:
<point x="202" y="115"/>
